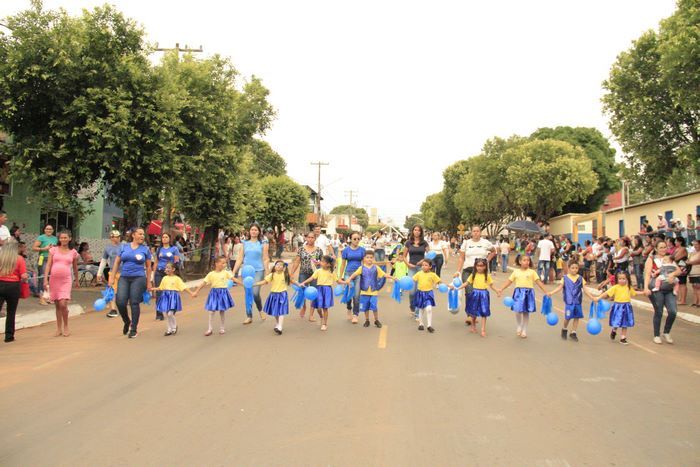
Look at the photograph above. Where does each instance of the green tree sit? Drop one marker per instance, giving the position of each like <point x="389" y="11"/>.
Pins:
<point x="434" y="212"/>
<point x="602" y="156"/>
<point x="653" y="96"/>
<point x="452" y="176"/>
<point x="359" y="213"/>
<point x="413" y="220"/>
<point x="84" y="107"/>
<point x="286" y="202"/>
<point x="266" y="160"/>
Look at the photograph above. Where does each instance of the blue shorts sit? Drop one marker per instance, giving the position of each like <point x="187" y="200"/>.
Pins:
<point x="368" y="303"/>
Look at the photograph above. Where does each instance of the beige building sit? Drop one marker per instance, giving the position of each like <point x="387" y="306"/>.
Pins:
<point x="627" y="221"/>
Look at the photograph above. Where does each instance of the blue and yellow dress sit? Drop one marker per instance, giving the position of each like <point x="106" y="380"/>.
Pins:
<point x="324" y="285"/>
<point x="524" y="293"/>
<point x="218" y="299"/>
<point x="573" y="296"/>
<point x="426" y="282"/>
<point x="479" y="299"/>
<point x="169" y="298"/>
<point x="277" y="303"/>
<point x="621" y="313"/>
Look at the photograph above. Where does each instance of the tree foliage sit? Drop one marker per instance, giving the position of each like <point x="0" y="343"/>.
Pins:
<point x="601" y="155"/>
<point x="359" y="213"/>
<point x="435" y="213"/>
<point x="286" y="202"/>
<point x="412" y="221"/>
<point x="267" y="162"/>
<point x="653" y="99"/>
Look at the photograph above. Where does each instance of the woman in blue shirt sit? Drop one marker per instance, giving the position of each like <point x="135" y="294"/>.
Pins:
<point x="255" y="252"/>
<point x="135" y="260"/>
<point x="352" y="259"/>
<point x="165" y="254"/>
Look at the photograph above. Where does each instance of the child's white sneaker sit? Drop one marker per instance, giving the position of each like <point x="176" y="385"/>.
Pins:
<point x="668" y="338"/>
<point x="657" y="340"/>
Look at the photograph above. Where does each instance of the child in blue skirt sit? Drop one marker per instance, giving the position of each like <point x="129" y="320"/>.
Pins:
<point x="524" y="294"/>
<point x="218" y="299"/>
<point x="325" y="279"/>
<point x="424" y="299"/>
<point x="277" y="303"/>
<point x="169" y="301"/>
<point x="479" y="301"/>
<point x="621" y="313"/>
<point x="574" y="287"/>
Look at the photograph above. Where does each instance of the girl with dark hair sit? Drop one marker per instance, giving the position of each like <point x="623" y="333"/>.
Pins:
<point x="621" y="313"/>
<point x="277" y="303"/>
<point x="636" y="252"/>
<point x="524" y="303"/>
<point x="255" y="253"/>
<point x="165" y="253"/>
<point x="325" y="279"/>
<point x="416" y="248"/>
<point x="622" y="255"/>
<point x="479" y="303"/>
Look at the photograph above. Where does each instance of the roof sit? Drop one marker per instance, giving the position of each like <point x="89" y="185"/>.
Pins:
<point x="312" y="191"/>
<point x="565" y="215"/>
<point x="679" y="195"/>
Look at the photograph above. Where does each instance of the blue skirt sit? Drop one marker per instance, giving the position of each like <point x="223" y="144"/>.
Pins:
<point x="218" y="300"/>
<point x="524" y="299"/>
<point x="573" y="311"/>
<point x="277" y="304"/>
<point x="621" y="315"/>
<point x="479" y="303"/>
<point x="423" y="299"/>
<point x="325" y="297"/>
<point x="169" y="300"/>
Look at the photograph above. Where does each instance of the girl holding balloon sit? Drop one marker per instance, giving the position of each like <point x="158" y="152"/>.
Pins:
<point x="324" y="278"/>
<point x="574" y="287"/>
<point x="479" y="302"/>
<point x="523" y="301"/>
<point x="219" y="298"/>
<point x="277" y="303"/>
<point x="169" y="302"/>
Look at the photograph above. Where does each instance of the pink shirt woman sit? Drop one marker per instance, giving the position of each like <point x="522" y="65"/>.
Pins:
<point x="62" y="271"/>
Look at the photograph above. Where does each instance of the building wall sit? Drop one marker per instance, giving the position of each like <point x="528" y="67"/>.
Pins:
<point x="21" y="210"/>
<point x="679" y="209"/>
<point x="563" y="225"/>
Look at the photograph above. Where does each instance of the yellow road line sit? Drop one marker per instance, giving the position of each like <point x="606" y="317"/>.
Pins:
<point x="381" y="342"/>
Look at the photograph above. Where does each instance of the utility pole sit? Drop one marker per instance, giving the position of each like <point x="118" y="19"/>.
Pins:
<point x="167" y="205"/>
<point x="351" y="193"/>
<point x="318" y="193"/>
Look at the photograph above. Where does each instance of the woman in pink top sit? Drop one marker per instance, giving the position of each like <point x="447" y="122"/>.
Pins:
<point x="62" y="261"/>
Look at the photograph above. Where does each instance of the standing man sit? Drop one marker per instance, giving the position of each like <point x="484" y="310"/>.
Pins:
<point x="323" y="242"/>
<point x="281" y="241"/>
<point x="4" y="231"/>
<point x="545" y="260"/>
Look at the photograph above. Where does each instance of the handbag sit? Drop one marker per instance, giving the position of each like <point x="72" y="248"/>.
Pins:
<point x="24" y="290"/>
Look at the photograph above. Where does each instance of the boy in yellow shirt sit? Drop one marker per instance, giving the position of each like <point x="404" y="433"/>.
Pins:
<point x="372" y="279"/>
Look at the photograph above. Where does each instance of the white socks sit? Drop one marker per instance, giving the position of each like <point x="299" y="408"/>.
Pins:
<point x="428" y="313"/>
<point x="172" y="324"/>
<point x="522" y="319"/>
<point x="280" y="322"/>
<point x="222" y="315"/>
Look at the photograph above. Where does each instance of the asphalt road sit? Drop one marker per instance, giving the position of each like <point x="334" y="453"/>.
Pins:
<point x="348" y="396"/>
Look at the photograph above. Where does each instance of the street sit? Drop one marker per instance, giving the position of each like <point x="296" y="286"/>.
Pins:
<point x="351" y="395"/>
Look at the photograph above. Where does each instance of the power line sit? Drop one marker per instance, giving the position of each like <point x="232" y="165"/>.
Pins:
<point x="318" y="193"/>
<point x="350" y="194"/>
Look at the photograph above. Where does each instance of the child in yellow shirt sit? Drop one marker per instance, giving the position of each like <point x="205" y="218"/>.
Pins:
<point x="424" y="299"/>
<point x="479" y="301"/>
<point x="621" y="313"/>
<point x="277" y="303"/>
<point x="218" y="299"/>
<point x="169" y="301"/>
<point x="325" y="279"/>
<point x="524" y="294"/>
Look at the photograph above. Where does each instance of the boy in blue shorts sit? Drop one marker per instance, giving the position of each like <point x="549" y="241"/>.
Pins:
<point x="371" y="281"/>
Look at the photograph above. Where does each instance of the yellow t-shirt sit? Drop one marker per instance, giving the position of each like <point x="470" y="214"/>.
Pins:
<point x="323" y="277"/>
<point x="380" y="274"/>
<point x="621" y="294"/>
<point x="172" y="283"/>
<point x="524" y="278"/>
<point x="426" y="280"/>
<point x="277" y="282"/>
<point x="218" y="280"/>
<point x="573" y="279"/>
<point x="479" y="282"/>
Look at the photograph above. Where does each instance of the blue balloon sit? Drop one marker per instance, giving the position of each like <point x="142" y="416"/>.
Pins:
<point x="430" y="255"/>
<point x="552" y="319"/>
<point x="100" y="304"/>
<point x="147" y="298"/>
<point x="406" y="283"/>
<point x="247" y="271"/>
<point x="442" y="288"/>
<point x="594" y="327"/>
<point x="310" y="293"/>
<point x="248" y="282"/>
<point x="457" y="282"/>
<point x="339" y="289"/>
<point x="603" y="305"/>
<point x="508" y="301"/>
<point x="229" y="284"/>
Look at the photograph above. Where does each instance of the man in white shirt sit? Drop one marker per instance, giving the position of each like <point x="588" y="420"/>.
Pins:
<point x="545" y="246"/>
<point x="323" y="242"/>
<point x="4" y="231"/>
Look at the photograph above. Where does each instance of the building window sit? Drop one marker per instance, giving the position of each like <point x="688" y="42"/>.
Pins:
<point x="61" y="220"/>
<point x="642" y="220"/>
<point x="622" y="228"/>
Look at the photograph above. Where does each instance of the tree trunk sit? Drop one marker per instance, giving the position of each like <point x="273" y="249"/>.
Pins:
<point x="208" y="249"/>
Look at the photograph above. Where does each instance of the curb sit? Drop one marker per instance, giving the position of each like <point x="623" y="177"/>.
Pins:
<point x="48" y="315"/>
